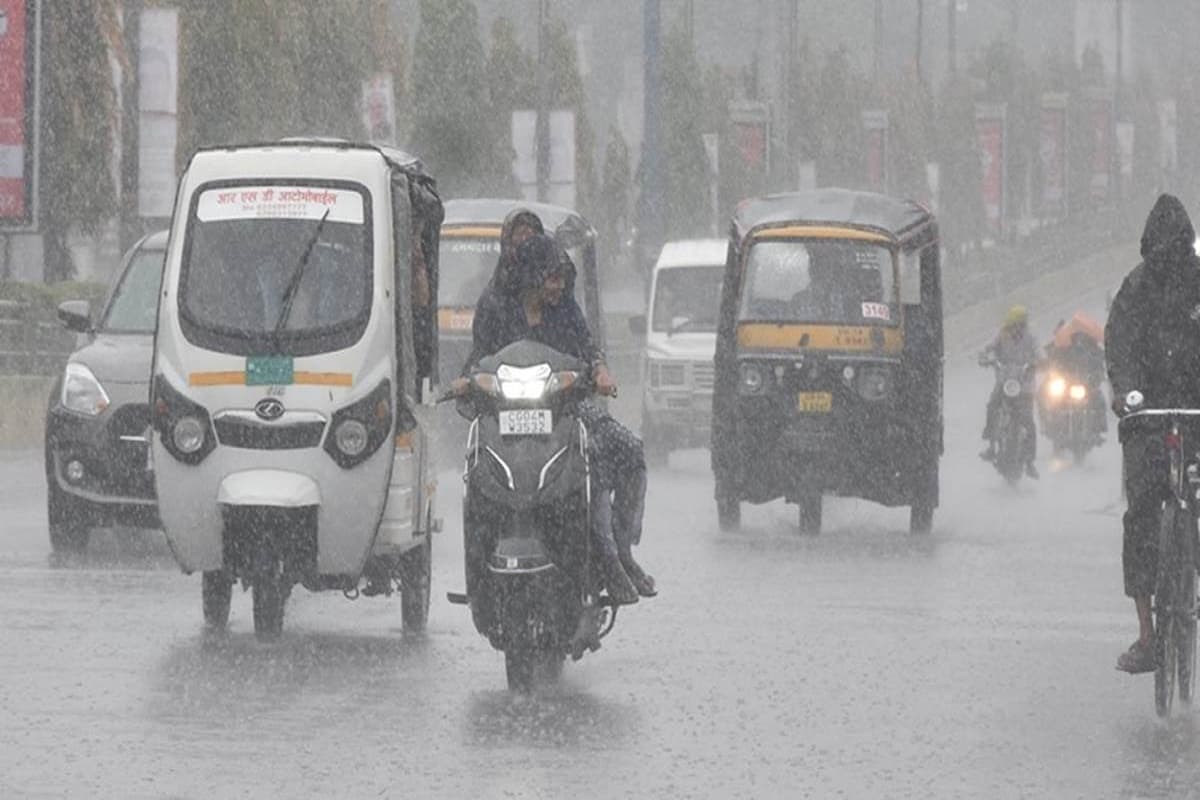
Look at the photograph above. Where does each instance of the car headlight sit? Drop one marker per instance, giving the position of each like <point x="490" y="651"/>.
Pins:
<point x="1057" y="387"/>
<point x="351" y="437"/>
<point x="81" y="392"/>
<point x="874" y="383"/>
<point x="1078" y="392"/>
<point x="188" y="435"/>
<point x="751" y="379"/>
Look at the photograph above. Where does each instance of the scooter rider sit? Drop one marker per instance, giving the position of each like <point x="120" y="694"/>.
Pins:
<point x="538" y="308"/>
<point x="1152" y="344"/>
<point x="1013" y="345"/>
<point x="1078" y="353"/>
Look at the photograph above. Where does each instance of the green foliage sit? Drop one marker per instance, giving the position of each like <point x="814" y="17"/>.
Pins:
<point x="79" y="116"/>
<point x="613" y="217"/>
<point x="685" y="164"/>
<point x="257" y="70"/>
<point x="453" y="129"/>
<point x="961" y="172"/>
<point x="40" y="300"/>
<point x="566" y="92"/>
<point x="512" y="85"/>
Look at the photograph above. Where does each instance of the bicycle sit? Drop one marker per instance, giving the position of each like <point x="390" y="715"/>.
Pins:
<point x="1175" y="606"/>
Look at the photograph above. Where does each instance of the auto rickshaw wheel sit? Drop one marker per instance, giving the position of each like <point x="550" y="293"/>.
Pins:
<point x="270" y="592"/>
<point x="416" y="568"/>
<point x="216" y="591"/>
<point x="920" y="518"/>
<point x="811" y="505"/>
<point x="729" y="514"/>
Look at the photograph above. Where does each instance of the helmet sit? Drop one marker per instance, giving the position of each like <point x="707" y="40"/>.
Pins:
<point x="1017" y="315"/>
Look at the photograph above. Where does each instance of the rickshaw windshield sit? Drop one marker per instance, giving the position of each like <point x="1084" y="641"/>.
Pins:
<point x="289" y="262"/>
<point x="687" y="299"/>
<point x="836" y="281"/>
<point x="465" y="266"/>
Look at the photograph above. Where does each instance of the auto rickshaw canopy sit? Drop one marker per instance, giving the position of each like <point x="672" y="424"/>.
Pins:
<point x="571" y="229"/>
<point x="840" y="209"/>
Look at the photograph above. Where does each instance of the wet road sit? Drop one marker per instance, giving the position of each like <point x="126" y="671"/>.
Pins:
<point x="975" y="662"/>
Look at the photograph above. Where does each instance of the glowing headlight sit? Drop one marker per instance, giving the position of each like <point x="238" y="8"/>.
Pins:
<point x="752" y="379"/>
<point x="1078" y="391"/>
<point x="351" y="437"/>
<point x="1012" y="388"/>
<point x="523" y="383"/>
<point x="188" y="435"/>
<point x="1057" y="387"/>
<point x="81" y="392"/>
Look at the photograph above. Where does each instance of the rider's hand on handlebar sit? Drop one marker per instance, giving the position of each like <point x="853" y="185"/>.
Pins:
<point x="459" y="386"/>
<point x="605" y="385"/>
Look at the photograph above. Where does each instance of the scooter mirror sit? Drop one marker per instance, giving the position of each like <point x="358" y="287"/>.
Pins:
<point x="1134" y="400"/>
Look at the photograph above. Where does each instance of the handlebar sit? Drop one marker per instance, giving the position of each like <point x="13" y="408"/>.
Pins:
<point x="1161" y="412"/>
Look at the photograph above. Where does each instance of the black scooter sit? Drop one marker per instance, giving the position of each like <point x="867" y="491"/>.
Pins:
<point x="534" y="584"/>
<point x="1010" y="436"/>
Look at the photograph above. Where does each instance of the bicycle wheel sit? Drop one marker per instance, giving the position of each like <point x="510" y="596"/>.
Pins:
<point x="1185" y="631"/>
<point x="1166" y="614"/>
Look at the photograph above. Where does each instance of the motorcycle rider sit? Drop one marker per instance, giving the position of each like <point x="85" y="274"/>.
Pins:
<point x="1077" y="351"/>
<point x="538" y="307"/>
<point x="1153" y="346"/>
<point x="1013" y="345"/>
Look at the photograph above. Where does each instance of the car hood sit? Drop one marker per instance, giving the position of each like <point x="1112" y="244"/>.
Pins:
<point x="118" y="358"/>
<point x="692" y="346"/>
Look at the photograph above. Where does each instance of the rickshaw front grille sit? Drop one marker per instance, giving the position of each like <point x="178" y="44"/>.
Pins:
<point x="232" y="432"/>
<point x="702" y="376"/>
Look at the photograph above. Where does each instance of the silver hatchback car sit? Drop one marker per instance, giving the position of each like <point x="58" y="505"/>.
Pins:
<point x="96" y="445"/>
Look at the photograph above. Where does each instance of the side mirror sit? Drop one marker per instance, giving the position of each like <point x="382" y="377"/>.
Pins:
<point x="637" y="325"/>
<point x="76" y="315"/>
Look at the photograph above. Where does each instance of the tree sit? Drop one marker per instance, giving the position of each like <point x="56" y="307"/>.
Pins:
<point x="566" y="92"/>
<point x="961" y="205"/>
<point x="512" y="85"/>
<point x="839" y="131"/>
<point x="79" y="118"/>
<point x="452" y="129"/>
<point x="615" y="192"/>
<point x="286" y="68"/>
<point x="685" y="163"/>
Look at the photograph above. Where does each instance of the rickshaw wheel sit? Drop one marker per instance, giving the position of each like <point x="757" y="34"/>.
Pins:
<point x="920" y="518"/>
<point x="216" y="591"/>
<point x="811" y="504"/>
<point x="729" y="514"/>
<point x="416" y="569"/>
<point x="270" y="594"/>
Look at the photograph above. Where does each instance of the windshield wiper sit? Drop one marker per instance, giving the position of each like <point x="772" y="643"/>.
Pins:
<point x="289" y="294"/>
<point x="683" y="323"/>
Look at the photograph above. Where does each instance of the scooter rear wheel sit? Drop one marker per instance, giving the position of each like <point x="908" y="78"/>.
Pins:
<point x="270" y="595"/>
<point x="415" y="580"/>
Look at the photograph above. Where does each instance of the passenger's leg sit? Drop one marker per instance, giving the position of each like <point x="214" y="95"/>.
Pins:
<point x="616" y="580"/>
<point x="624" y="459"/>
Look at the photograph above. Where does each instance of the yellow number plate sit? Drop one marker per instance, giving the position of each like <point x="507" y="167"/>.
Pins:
<point x="815" y="402"/>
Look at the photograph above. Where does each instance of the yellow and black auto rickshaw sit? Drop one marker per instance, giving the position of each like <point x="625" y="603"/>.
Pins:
<point x="470" y="247"/>
<point x="829" y="356"/>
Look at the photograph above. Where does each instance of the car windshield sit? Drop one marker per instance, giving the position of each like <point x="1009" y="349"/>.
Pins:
<point x="687" y="298"/>
<point x="134" y="306"/>
<point x="465" y="266"/>
<point x="820" y="280"/>
<point x="250" y="246"/>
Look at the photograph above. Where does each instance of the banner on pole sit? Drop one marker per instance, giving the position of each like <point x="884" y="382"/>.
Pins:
<point x="379" y="108"/>
<point x="989" y="132"/>
<point x="875" y="123"/>
<point x="19" y="54"/>
<point x="1052" y="155"/>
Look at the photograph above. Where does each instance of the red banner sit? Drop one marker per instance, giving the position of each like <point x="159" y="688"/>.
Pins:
<point x="875" y="125"/>
<point x="1052" y="151"/>
<point x="15" y="117"/>
<point x="989" y="131"/>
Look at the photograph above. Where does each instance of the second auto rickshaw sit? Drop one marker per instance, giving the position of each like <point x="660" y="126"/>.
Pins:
<point x="829" y="356"/>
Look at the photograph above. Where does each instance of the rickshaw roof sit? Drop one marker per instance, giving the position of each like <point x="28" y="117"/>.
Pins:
<point x="693" y="253"/>
<point x="396" y="158"/>
<point x="492" y="211"/>
<point x="889" y="215"/>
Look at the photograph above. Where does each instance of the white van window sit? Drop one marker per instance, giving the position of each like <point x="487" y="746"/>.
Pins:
<point x="687" y="298"/>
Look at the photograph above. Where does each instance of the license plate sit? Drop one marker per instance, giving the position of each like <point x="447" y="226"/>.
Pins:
<point x="269" y="371"/>
<point x="815" y="402"/>
<point x="526" y="422"/>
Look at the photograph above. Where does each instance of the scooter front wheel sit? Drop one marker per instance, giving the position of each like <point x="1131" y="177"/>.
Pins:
<point x="216" y="591"/>
<point x="270" y="595"/>
<point x="527" y="668"/>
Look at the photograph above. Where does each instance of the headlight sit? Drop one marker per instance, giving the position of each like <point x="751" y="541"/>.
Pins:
<point x="351" y="437"/>
<point x="523" y="383"/>
<point x="188" y="435"/>
<point x="874" y="383"/>
<point x="1012" y="388"/>
<point x="1057" y="387"/>
<point x="81" y="392"/>
<point x="1078" y="392"/>
<point x="751" y="379"/>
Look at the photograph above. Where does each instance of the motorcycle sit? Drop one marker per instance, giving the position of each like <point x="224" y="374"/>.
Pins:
<point x="1010" y="438"/>
<point x="534" y="585"/>
<point x="1067" y="408"/>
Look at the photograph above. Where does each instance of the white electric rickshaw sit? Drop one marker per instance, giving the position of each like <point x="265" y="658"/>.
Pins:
<point x="294" y="365"/>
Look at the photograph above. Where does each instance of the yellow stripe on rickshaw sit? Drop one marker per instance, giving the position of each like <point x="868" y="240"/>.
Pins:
<point x="856" y="338"/>
<point x="238" y="378"/>
<point x="821" y="232"/>
<point x="472" y="232"/>
<point x="455" y="319"/>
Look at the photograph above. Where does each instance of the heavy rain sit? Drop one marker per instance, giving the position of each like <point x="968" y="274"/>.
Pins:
<point x="660" y="398"/>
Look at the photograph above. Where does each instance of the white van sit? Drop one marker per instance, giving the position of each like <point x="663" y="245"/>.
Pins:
<point x="681" y="337"/>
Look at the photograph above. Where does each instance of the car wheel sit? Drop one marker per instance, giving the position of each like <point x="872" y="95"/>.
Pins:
<point x="69" y="524"/>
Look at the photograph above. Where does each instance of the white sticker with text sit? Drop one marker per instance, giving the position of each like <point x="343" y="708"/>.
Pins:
<point x="877" y="311"/>
<point x="280" y="202"/>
